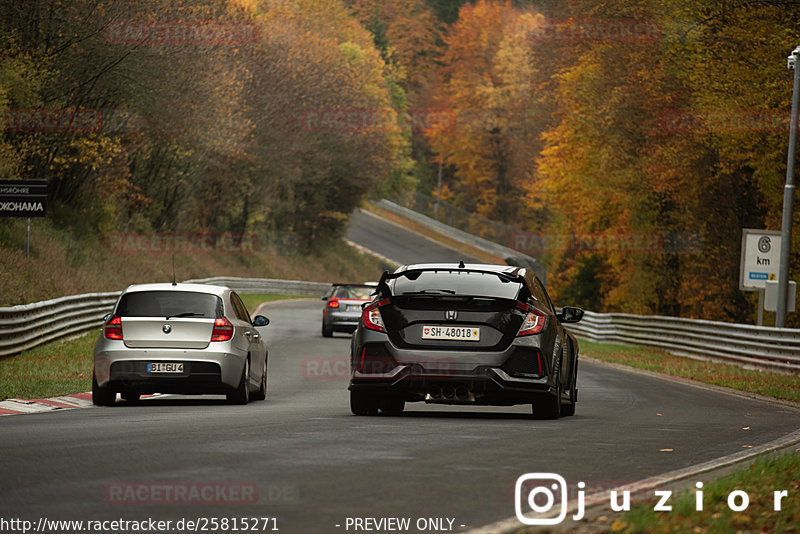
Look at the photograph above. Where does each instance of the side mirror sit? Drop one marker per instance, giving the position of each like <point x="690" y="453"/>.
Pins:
<point x="106" y="317"/>
<point x="324" y="298"/>
<point x="570" y="314"/>
<point x="260" y="320"/>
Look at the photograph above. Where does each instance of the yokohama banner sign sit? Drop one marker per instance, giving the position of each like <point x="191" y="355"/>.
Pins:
<point x="23" y="198"/>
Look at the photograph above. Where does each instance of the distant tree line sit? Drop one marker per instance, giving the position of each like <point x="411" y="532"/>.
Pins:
<point x="162" y="115"/>
<point x="633" y="139"/>
<point x="636" y="138"/>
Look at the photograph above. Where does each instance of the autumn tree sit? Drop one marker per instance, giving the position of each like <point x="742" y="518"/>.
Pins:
<point x="488" y="79"/>
<point x="325" y="105"/>
<point x="199" y="107"/>
<point x="653" y="137"/>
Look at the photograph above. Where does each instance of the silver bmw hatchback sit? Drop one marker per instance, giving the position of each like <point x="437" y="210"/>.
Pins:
<point x="180" y="338"/>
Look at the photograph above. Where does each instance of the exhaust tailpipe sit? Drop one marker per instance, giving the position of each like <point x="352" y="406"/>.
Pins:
<point x="435" y="392"/>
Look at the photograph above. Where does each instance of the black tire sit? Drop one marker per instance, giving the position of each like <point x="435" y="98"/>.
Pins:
<point x="130" y="396"/>
<point x="104" y="396"/>
<point x="364" y="403"/>
<point x="548" y="407"/>
<point x="261" y="393"/>
<point x="568" y="409"/>
<point x="241" y="395"/>
<point x="327" y="331"/>
<point x="392" y="405"/>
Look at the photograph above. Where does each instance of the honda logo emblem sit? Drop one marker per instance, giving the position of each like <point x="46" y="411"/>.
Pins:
<point x="451" y="315"/>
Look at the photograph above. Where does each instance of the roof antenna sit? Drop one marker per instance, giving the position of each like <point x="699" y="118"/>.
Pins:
<point x="461" y="264"/>
<point x="174" y="282"/>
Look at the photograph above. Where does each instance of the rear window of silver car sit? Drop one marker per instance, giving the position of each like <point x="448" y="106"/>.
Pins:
<point x="457" y="283"/>
<point x="170" y="304"/>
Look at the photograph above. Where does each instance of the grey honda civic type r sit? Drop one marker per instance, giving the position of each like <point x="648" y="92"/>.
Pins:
<point x="180" y="338"/>
<point x="464" y="334"/>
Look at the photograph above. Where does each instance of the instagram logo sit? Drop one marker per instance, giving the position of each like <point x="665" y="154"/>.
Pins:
<point x="542" y="491"/>
<point x="538" y="491"/>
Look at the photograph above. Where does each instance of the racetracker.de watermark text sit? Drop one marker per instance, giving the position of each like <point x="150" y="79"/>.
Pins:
<point x="190" y="243"/>
<point x="168" y="32"/>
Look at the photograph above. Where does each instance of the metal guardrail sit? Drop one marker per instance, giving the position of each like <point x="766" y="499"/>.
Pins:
<point x="24" y="327"/>
<point x="455" y="217"/>
<point x="740" y="344"/>
<point x="27" y="326"/>
<point x="267" y="285"/>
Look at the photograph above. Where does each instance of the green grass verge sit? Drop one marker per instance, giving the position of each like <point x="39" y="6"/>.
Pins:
<point x="65" y="366"/>
<point x="759" y="481"/>
<point x="58" y="368"/>
<point x="66" y="262"/>
<point x="776" y="385"/>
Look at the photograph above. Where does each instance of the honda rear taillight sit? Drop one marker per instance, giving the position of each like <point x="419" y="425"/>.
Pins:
<point x="333" y="303"/>
<point x="533" y="322"/>
<point x="223" y="330"/>
<point x="371" y="316"/>
<point x="113" y="328"/>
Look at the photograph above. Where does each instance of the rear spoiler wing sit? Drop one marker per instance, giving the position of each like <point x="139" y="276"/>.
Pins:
<point x="383" y="287"/>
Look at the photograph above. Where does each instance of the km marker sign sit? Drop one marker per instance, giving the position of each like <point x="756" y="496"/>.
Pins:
<point x="23" y="198"/>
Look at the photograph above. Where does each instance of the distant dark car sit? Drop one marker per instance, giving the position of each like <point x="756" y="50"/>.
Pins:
<point x="464" y="334"/>
<point x="343" y="308"/>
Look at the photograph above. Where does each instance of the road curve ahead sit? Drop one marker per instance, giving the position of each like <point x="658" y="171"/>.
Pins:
<point x="301" y="457"/>
<point x="397" y="243"/>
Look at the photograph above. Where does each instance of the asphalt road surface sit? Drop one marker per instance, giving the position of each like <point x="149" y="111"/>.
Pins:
<point x="301" y="457"/>
<point x="397" y="243"/>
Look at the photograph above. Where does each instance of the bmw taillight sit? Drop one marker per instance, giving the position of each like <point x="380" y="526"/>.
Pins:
<point x="333" y="303"/>
<point x="223" y="330"/>
<point x="371" y="316"/>
<point x="113" y="328"/>
<point x="533" y="322"/>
